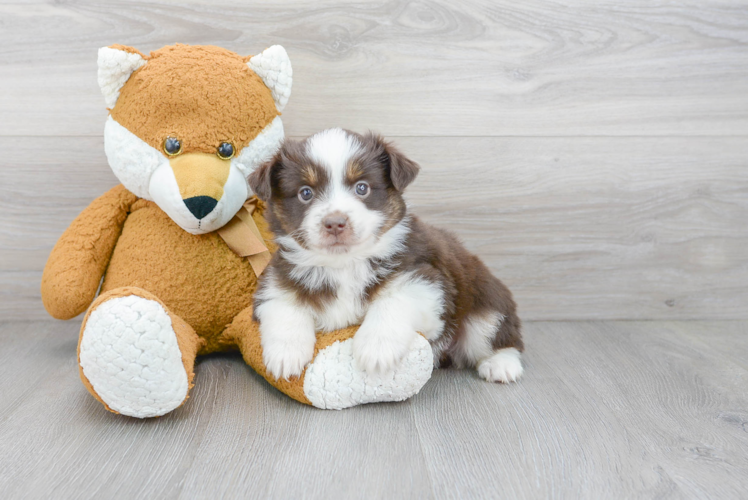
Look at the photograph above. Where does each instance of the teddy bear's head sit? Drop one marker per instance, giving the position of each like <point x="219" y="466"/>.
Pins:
<point x="188" y="124"/>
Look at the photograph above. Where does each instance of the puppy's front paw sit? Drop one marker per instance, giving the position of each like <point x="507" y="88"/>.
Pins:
<point x="381" y="350"/>
<point x="286" y="359"/>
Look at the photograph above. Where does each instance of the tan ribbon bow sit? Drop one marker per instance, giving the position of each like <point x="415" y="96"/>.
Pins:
<point x="243" y="237"/>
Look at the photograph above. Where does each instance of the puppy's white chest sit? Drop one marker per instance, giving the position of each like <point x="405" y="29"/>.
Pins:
<point x="348" y="307"/>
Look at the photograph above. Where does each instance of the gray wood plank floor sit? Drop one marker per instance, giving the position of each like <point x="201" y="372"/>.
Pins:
<point x="606" y="410"/>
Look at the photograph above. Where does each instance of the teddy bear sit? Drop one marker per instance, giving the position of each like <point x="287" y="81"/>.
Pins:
<point x="165" y="264"/>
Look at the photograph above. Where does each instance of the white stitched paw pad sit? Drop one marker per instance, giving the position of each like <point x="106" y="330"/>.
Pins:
<point x="130" y="355"/>
<point x="504" y="366"/>
<point x="334" y="380"/>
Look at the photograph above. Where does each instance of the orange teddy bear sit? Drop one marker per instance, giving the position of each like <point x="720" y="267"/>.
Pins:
<point x="180" y="243"/>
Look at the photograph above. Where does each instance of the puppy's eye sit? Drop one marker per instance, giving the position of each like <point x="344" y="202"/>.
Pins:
<point x="225" y="151"/>
<point x="362" y="189"/>
<point x="172" y="146"/>
<point x="306" y="194"/>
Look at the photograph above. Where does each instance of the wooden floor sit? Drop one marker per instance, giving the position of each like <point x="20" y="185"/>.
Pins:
<point x="607" y="410"/>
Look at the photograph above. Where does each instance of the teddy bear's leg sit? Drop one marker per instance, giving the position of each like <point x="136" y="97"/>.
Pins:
<point x="135" y="356"/>
<point x="333" y="380"/>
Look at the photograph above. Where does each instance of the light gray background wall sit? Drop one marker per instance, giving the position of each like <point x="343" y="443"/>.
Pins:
<point x="594" y="155"/>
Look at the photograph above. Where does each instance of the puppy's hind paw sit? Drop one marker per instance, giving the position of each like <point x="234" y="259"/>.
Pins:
<point x="504" y="366"/>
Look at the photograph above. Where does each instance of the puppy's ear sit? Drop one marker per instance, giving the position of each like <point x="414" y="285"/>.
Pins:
<point x="261" y="179"/>
<point x="402" y="170"/>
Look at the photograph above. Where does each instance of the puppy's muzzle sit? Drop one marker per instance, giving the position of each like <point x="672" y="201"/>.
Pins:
<point x="335" y="224"/>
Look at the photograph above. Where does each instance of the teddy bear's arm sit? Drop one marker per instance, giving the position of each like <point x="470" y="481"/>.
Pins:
<point x="81" y="256"/>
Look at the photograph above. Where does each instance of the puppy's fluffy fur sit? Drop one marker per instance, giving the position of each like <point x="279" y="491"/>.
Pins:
<point x="350" y="253"/>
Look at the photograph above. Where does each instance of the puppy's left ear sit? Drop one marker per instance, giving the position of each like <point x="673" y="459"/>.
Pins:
<point x="402" y="169"/>
<point x="261" y="179"/>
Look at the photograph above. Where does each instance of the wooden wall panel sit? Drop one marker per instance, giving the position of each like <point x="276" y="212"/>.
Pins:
<point x="437" y="68"/>
<point x="579" y="228"/>
<point x="595" y="156"/>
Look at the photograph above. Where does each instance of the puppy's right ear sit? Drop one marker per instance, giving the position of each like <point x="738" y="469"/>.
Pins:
<point x="261" y="179"/>
<point x="401" y="169"/>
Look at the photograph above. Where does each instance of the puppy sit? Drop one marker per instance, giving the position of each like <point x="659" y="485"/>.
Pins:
<point x="350" y="253"/>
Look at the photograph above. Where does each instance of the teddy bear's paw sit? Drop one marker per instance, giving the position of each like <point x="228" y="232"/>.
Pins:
<point x="130" y="355"/>
<point x="335" y="380"/>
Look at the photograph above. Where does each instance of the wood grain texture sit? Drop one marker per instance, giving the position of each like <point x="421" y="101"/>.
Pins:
<point x="473" y="68"/>
<point x="579" y="228"/>
<point x="606" y="409"/>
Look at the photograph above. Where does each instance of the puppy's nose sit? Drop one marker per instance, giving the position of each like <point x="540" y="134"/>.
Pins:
<point x="335" y="223"/>
<point x="200" y="206"/>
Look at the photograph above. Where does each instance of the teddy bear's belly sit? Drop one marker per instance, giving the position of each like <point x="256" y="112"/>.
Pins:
<point x="198" y="277"/>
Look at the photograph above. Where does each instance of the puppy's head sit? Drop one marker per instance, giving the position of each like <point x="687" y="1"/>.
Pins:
<point x="336" y="191"/>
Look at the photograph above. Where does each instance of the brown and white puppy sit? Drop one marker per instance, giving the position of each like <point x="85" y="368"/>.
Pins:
<point x="349" y="253"/>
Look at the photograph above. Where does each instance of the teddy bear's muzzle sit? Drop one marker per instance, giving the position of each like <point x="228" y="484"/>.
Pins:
<point x="201" y="179"/>
<point x="200" y="206"/>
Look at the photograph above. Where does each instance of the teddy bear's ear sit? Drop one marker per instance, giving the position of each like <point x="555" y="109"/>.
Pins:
<point x="274" y="67"/>
<point x="116" y="64"/>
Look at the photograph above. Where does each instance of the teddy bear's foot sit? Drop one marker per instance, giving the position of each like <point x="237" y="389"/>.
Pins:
<point x="130" y="354"/>
<point x="334" y="380"/>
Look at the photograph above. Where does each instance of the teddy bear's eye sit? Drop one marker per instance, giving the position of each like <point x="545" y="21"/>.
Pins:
<point x="172" y="146"/>
<point x="225" y="150"/>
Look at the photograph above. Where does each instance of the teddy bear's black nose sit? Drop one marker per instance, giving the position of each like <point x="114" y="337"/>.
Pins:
<point x="200" y="206"/>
